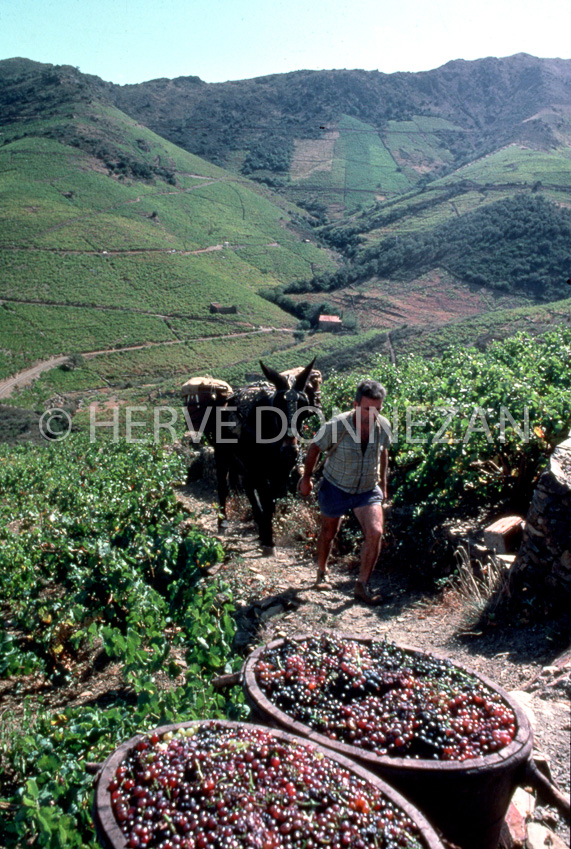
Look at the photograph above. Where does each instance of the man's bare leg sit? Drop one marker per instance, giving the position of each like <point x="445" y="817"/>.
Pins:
<point x="370" y="518"/>
<point x="327" y="533"/>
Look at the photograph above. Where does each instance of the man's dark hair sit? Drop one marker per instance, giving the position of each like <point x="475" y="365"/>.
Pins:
<point x="370" y="389"/>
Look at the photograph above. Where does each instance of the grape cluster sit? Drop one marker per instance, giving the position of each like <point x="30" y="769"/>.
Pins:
<point x="228" y="787"/>
<point x="382" y="698"/>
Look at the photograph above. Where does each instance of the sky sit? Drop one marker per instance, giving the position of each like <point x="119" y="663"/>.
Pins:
<point x="130" y="41"/>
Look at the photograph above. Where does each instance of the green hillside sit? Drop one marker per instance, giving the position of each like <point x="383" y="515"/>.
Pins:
<point x="339" y="139"/>
<point x="424" y="212"/>
<point x="112" y="237"/>
<point x="421" y="144"/>
<point x="138" y="375"/>
<point x="346" y="353"/>
<point x="520" y="244"/>
<point x="453" y="257"/>
<point x="349" y="172"/>
<point x="519" y="166"/>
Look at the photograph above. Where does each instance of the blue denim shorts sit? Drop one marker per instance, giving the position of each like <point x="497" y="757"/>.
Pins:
<point x="334" y="502"/>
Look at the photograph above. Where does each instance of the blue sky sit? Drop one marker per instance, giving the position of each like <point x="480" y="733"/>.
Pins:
<point x="127" y="41"/>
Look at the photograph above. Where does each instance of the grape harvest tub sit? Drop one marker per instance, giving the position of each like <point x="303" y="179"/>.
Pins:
<point x="111" y="837"/>
<point x="466" y="800"/>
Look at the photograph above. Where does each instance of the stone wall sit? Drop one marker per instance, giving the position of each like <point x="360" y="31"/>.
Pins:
<point x="541" y="574"/>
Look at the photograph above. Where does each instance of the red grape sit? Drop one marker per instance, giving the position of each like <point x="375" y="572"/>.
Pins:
<point x="294" y="797"/>
<point x="379" y="697"/>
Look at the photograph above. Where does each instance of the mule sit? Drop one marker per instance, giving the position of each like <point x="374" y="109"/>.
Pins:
<point x="263" y="420"/>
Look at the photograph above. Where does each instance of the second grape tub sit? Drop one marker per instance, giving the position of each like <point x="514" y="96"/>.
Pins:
<point x="466" y="800"/>
<point x="111" y="836"/>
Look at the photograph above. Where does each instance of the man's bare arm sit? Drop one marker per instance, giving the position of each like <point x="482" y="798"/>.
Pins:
<point x="306" y="484"/>
<point x="384" y="472"/>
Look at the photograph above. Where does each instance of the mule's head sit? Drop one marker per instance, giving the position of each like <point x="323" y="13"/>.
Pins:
<point x="290" y="396"/>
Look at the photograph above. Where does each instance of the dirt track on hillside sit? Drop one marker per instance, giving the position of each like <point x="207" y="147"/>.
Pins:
<point x="27" y="376"/>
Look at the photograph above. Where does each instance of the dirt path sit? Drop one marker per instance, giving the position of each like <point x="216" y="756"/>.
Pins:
<point x="25" y="377"/>
<point x="135" y="251"/>
<point x="275" y="597"/>
<point x="438" y="623"/>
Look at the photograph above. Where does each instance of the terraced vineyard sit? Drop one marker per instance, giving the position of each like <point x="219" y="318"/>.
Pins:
<point x="132" y="374"/>
<point x="420" y="145"/>
<point x="95" y="257"/>
<point x="519" y="166"/>
<point x="113" y="237"/>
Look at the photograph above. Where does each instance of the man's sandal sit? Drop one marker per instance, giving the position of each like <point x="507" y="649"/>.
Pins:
<point x="322" y="581"/>
<point x="361" y="594"/>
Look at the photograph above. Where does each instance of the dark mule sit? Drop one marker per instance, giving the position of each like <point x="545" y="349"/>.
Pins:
<point x="262" y="420"/>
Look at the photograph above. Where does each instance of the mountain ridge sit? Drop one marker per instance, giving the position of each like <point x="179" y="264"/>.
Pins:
<point x="477" y="69"/>
<point x="521" y="74"/>
<point x="410" y="125"/>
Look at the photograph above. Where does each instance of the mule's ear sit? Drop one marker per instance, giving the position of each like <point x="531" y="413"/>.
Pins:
<point x="279" y="381"/>
<point x="303" y="377"/>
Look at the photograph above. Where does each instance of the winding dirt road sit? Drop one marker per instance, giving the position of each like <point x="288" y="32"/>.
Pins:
<point x="23" y="378"/>
<point x="26" y="376"/>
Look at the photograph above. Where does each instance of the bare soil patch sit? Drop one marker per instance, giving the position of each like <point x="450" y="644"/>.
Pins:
<point x="313" y="155"/>
<point x="434" y="299"/>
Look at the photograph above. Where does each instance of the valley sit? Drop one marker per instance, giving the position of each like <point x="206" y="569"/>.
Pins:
<point x="176" y="228"/>
<point x="127" y="210"/>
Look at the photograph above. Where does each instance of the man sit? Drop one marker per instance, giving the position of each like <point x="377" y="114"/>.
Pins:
<point x="356" y="446"/>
